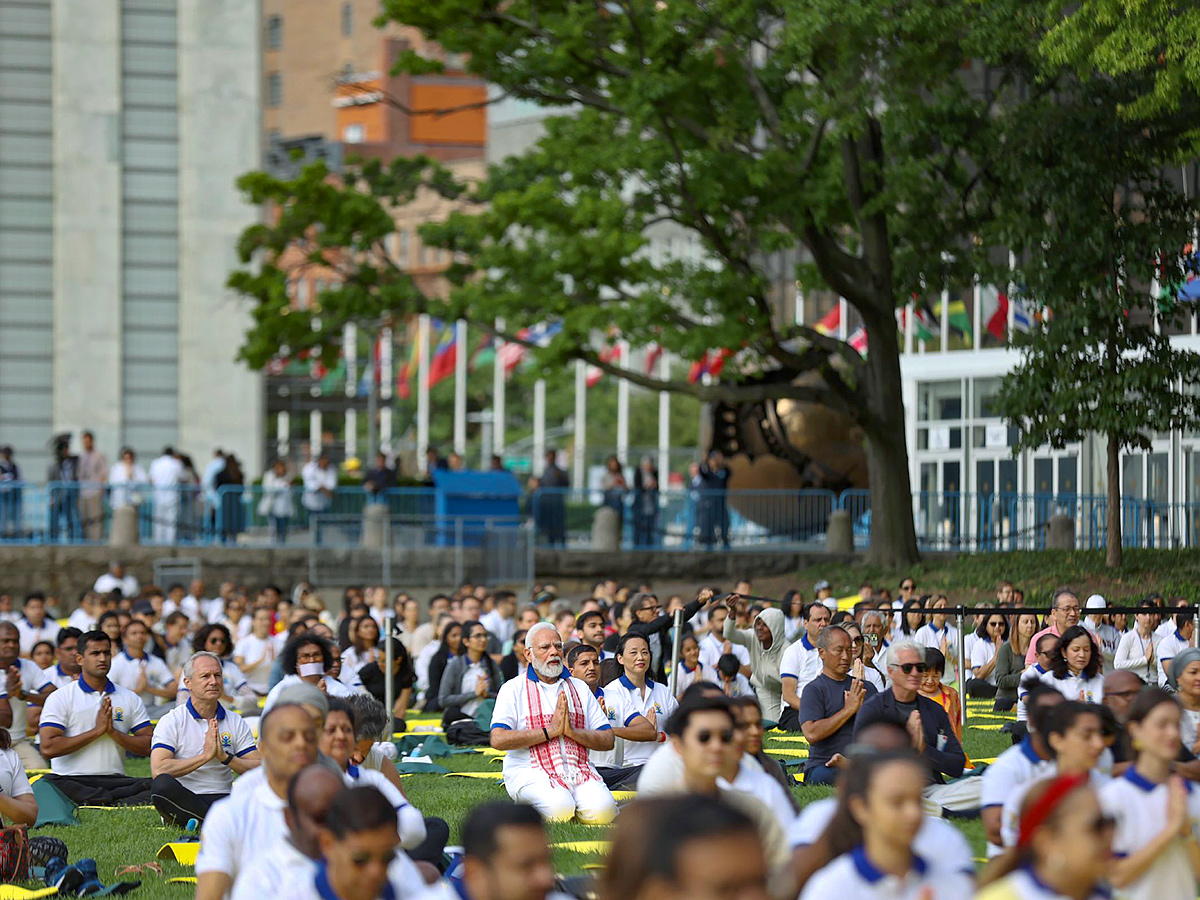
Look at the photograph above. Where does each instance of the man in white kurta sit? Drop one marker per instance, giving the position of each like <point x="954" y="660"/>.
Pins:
<point x="166" y="474"/>
<point x="548" y="721"/>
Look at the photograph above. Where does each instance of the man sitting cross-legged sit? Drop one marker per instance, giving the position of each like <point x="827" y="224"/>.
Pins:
<point x="89" y="725"/>
<point x="198" y="747"/>
<point x="548" y="721"/>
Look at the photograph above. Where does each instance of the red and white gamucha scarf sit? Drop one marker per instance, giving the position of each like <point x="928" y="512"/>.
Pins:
<point x="564" y="760"/>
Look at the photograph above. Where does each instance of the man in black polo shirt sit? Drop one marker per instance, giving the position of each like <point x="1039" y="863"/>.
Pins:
<point x="829" y="705"/>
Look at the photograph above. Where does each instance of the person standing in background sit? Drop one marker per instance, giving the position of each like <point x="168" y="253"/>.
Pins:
<point x="93" y="472"/>
<point x="166" y="474"/>
<point x="10" y="495"/>
<point x="63" y="478"/>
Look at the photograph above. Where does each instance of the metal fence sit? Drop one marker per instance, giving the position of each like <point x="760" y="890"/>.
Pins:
<point x="676" y="519"/>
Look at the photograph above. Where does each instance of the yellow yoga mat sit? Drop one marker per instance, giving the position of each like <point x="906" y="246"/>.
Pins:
<point x="583" y="846"/>
<point x="490" y="776"/>
<point x="182" y="853"/>
<point x="488" y="751"/>
<point x="788" y="754"/>
<point x="985" y="727"/>
<point x="182" y="879"/>
<point x="622" y="796"/>
<point x="790" y="740"/>
<point x="111" y="808"/>
<point x="12" y="892"/>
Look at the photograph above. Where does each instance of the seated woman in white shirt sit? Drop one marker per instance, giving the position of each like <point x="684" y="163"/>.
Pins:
<point x="1075" y="670"/>
<point x="18" y="806"/>
<point x="989" y="638"/>
<point x="691" y="669"/>
<point x="638" y="707"/>
<point x="1156" y="813"/>
<point x="363" y="649"/>
<point x="939" y="634"/>
<point x="1064" y="848"/>
<point x="872" y="832"/>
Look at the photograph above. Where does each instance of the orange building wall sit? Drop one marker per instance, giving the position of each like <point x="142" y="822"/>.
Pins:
<point x="463" y="127"/>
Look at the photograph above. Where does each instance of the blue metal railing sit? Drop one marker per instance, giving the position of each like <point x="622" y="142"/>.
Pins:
<point x="680" y="519"/>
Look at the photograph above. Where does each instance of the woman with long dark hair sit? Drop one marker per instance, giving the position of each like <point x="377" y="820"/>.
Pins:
<point x="989" y="638"/>
<point x="1075" y="672"/>
<point x="363" y="649"/>
<point x="1155" y="811"/>
<point x="912" y="618"/>
<point x="871" y="835"/>
<point x="470" y="678"/>
<point x="1010" y="659"/>
<point x="450" y="646"/>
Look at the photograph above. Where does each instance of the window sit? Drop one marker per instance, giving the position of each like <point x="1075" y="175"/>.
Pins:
<point x="347" y="19"/>
<point x="274" y="32"/>
<point x="274" y="89"/>
<point x="354" y="134"/>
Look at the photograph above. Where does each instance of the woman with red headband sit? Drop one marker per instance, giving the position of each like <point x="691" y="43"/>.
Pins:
<point x="1063" y="850"/>
<point x="1156" y="813"/>
<point x="871" y="837"/>
<point x="1075" y="735"/>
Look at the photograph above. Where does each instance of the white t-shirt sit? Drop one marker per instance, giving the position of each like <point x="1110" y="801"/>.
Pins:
<point x="182" y="731"/>
<point x="48" y="631"/>
<point x="500" y="628"/>
<point x="1031" y="676"/>
<point x="33" y="681"/>
<point x="1077" y="687"/>
<point x="107" y="583"/>
<point x="980" y="655"/>
<point x="625" y="703"/>
<point x="238" y="829"/>
<point x="766" y="790"/>
<point x="1140" y="809"/>
<point x="251" y="649"/>
<point x="410" y="823"/>
<point x="802" y="662"/>
<point x="264" y="875"/>
<point x="1015" y="768"/>
<point x="81" y="620"/>
<point x="57" y="677"/>
<point x="1169" y="647"/>
<point x="710" y="652"/>
<point x="353" y="661"/>
<point x="13" y="780"/>
<point x="72" y="710"/>
<point x="853" y="875"/>
<point x="1010" y="815"/>
<point x="937" y="841"/>
<point x="928" y="636"/>
<point x="512" y="710"/>
<point x="1109" y="638"/>
<point x="126" y="671"/>
<point x="404" y="882"/>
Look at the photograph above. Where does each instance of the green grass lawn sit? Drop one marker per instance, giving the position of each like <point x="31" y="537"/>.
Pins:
<point x="126" y="836"/>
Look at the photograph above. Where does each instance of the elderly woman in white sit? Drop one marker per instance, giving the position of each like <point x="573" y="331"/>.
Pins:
<point x="548" y="721"/>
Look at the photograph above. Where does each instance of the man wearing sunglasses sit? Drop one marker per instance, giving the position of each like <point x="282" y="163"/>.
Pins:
<point x="926" y="722"/>
<point x="702" y="733"/>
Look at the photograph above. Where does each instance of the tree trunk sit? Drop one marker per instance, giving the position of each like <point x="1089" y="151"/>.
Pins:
<point x="1112" y="556"/>
<point x="893" y="538"/>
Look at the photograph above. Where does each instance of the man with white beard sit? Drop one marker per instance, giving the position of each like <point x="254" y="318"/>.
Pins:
<point x="548" y="721"/>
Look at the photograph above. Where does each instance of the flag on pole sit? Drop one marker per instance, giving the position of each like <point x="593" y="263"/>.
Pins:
<point x="858" y="340"/>
<point x="958" y="318"/>
<point x="408" y="371"/>
<point x="925" y="326"/>
<point x="831" y="322"/>
<point x="1022" y="320"/>
<point x="512" y="353"/>
<point x="653" y="355"/>
<point x="712" y="363"/>
<point x="441" y="364"/>
<point x="483" y="354"/>
<point x="610" y="354"/>
<point x="994" y="311"/>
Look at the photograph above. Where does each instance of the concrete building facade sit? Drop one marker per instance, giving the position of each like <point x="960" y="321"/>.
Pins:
<point x="123" y="127"/>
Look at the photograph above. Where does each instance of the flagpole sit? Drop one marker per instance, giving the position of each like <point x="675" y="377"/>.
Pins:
<point x="1012" y="300"/>
<point x="314" y="432"/>
<point x="387" y="380"/>
<point x="422" y="391"/>
<point x="842" y="332"/>
<point x="498" y="387"/>
<point x="579" y="460"/>
<point x="350" y="355"/>
<point x="283" y="433"/>
<point x="539" y="426"/>
<point x="945" y="319"/>
<point x="664" y="423"/>
<point x="623" y="406"/>
<point x="977" y="300"/>
<point x="909" y="312"/>
<point x="460" y="387"/>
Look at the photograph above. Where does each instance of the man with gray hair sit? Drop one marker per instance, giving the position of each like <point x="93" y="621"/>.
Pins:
<point x="197" y="748"/>
<point x="548" y="721"/>
<point x="829" y="705"/>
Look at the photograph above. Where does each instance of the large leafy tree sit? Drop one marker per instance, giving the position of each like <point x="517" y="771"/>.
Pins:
<point x="1100" y="232"/>
<point x="855" y="133"/>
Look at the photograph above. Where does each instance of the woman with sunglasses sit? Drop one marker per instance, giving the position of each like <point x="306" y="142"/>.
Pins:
<point x="1156" y="813"/>
<point x="871" y="836"/>
<point x="1074" y="734"/>
<point x="984" y="653"/>
<point x="634" y="701"/>
<point x="1075" y="671"/>
<point x="1063" y="848"/>
<point x="1010" y="659"/>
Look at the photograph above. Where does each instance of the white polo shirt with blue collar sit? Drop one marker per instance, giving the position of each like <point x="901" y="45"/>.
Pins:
<point x="183" y="732"/>
<point x="57" y="677"/>
<point x="853" y="875"/>
<point x="127" y="670"/>
<point x="72" y="710"/>
<point x="1012" y="771"/>
<point x="624" y="703"/>
<point x="1139" y="807"/>
<point x="800" y="661"/>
